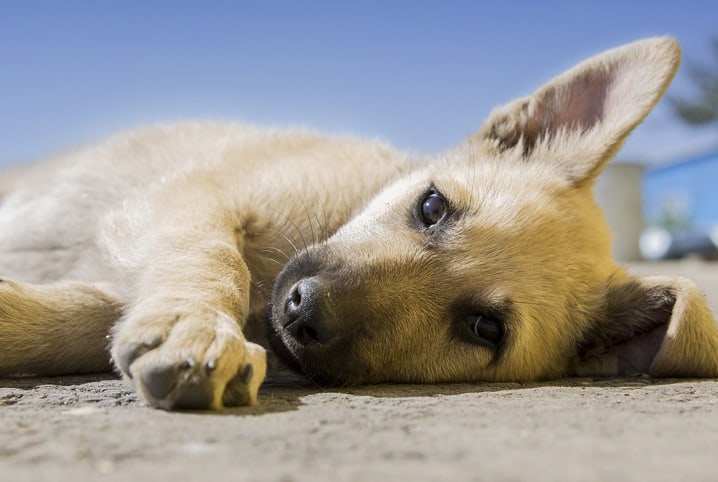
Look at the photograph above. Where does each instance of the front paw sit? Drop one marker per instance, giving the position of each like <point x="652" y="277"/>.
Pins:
<point x="196" y="361"/>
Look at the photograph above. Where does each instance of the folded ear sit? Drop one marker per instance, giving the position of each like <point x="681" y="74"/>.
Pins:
<point x="660" y="326"/>
<point x="580" y="119"/>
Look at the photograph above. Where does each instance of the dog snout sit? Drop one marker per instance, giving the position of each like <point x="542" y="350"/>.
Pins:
<point x="306" y="313"/>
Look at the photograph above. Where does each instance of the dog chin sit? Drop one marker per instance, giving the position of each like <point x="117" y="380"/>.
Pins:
<point x="311" y="365"/>
<point x="291" y="357"/>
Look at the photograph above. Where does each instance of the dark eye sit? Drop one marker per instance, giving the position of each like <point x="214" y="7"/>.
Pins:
<point x="433" y="209"/>
<point x="485" y="328"/>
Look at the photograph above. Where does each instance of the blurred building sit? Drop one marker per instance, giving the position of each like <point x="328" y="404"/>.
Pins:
<point x="618" y="192"/>
<point x="680" y="207"/>
<point x="682" y="195"/>
<point x="663" y="212"/>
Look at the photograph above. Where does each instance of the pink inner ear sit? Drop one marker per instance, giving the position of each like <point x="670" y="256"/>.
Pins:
<point x="626" y="339"/>
<point x="622" y="91"/>
<point x="633" y="357"/>
<point x="636" y="356"/>
<point x="580" y="104"/>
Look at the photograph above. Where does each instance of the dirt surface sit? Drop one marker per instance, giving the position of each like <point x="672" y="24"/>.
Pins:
<point x="94" y="428"/>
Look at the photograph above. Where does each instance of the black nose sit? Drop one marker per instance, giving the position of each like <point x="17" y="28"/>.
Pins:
<point x="306" y="313"/>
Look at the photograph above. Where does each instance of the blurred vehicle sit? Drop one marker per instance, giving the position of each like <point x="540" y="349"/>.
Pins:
<point x="659" y="243"/>
<point x="680" y="204"/>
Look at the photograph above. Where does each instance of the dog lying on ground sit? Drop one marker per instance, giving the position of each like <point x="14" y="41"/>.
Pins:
<point x="490" y="262"/>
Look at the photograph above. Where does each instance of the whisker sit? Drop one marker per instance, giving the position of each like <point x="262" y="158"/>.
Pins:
<point x="323" y="227"/>
<point x="287" y="238"/>
<point x="322" y="230"/>
<point x="299" y="195"/>
<point x="309" y="220"/>
<point x="274" y="249"/>
<point x="276" y="261"/>
<point x="301" y="234"/>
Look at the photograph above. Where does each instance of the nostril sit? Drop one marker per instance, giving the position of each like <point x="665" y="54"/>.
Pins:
<point x="305" y="313"/>
<point x="293" y="306"/>
<point x="294" y="300"/>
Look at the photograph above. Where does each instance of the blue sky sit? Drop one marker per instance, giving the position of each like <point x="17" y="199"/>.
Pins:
<point x="421" y="75"/>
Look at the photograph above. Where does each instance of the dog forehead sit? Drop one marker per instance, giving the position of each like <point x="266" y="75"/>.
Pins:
<point x="500" y="195"/>
<point x="395" y="198"/>
<point x="489" y="195"/>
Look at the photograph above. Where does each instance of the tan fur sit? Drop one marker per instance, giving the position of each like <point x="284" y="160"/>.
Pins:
<point x="178" y="236"/>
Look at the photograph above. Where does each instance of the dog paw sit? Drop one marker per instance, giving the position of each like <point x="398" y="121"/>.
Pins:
<point x="195" y="361"/>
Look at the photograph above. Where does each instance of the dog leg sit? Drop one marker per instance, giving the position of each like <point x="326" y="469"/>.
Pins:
<point x="181" y="339"/>
<point x="54" y="329"/>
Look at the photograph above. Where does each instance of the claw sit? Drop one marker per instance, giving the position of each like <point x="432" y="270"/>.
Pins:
<point x="188" y="363"/>
<point x="247" y="374"/>
<point x="126" y="354"/>
<point x="129" y="352"/>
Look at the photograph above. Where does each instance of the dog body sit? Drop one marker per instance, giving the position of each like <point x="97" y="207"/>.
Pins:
<point x="173" y="195"/>
<point x="489" y="262"/>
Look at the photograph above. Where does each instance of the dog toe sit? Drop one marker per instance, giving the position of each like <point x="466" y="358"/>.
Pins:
<point x="127" y="353"/>
<point x="177" y="385"/>
<point x="159" y="380"/>
<point x="195" y="394"/>
<point x="237" y="391"/>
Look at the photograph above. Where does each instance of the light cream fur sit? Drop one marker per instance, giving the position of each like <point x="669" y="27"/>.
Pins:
<point x="170" y="238"/>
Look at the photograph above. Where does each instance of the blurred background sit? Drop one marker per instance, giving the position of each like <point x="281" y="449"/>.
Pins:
<point x="419" y="74"/>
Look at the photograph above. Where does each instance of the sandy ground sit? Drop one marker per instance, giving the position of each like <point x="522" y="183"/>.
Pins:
<point x="93" y="428"/>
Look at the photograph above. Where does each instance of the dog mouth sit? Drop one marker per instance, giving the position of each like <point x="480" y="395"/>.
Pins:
<point x="307" y="334"/>
<point x="324" y="365"/>
<point x="288" y="356"/>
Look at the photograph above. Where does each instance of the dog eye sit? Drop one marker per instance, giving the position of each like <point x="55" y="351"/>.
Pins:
<point x="433" y="209"/>
<point x="485" y="328"/>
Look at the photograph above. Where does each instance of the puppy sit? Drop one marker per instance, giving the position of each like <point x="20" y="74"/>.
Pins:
<point x="489" y="262"/>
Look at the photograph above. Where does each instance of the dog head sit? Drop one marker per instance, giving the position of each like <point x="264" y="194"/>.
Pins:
<point x="493" y="262"/>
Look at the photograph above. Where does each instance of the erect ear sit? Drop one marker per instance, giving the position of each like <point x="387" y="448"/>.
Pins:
<point x="660" y="326"/>
<point x="579" y="120"/>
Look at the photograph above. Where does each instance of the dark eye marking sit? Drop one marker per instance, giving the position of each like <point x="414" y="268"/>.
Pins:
<point x="433" y="208"/>
<point x="485" y="328"/>
<point x="482" y="323"/>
